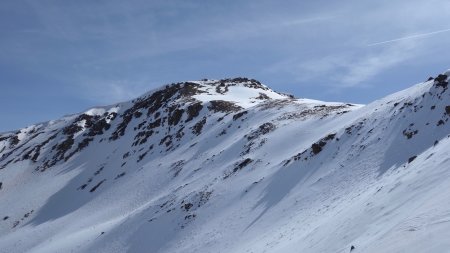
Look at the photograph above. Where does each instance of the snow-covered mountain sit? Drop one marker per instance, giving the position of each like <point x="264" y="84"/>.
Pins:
<point x="233" y="166"/>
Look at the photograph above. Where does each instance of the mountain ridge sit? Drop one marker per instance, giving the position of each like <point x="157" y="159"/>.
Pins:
<point x="229" y="166"/>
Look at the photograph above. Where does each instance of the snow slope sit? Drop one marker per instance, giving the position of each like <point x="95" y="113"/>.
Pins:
<point x="232" y="166"/>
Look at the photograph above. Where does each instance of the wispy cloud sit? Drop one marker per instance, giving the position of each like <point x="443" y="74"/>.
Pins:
<point x="157" y="43"/>
<point x="346" y="69"/>
<point x="359" y="70"/>
<point x="415" y="36"/>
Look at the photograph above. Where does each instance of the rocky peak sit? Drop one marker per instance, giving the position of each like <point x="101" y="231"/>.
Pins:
<point x="165" y="114"/>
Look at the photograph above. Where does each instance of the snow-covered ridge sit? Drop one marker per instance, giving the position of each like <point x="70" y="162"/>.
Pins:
<point x="232" y="166"/>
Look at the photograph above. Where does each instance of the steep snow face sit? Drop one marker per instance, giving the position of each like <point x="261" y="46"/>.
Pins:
<point x="232" y="166"/>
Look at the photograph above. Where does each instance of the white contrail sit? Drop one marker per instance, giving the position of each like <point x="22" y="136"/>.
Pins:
<point x="409" y="37"/>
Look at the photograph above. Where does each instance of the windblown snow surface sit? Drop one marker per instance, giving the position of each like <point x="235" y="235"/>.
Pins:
<point x="233" y="166"/>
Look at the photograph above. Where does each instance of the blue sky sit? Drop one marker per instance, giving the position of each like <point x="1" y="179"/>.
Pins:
<point x="62" y="57"/>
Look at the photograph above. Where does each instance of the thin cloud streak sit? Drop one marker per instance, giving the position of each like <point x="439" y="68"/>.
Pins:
<point x="409" y="37"/>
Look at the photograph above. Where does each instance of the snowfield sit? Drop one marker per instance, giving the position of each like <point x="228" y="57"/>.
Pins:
<point x="233" y="166"/>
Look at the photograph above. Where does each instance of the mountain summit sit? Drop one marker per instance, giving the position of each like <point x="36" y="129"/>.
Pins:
<point x="232" y="166"/>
